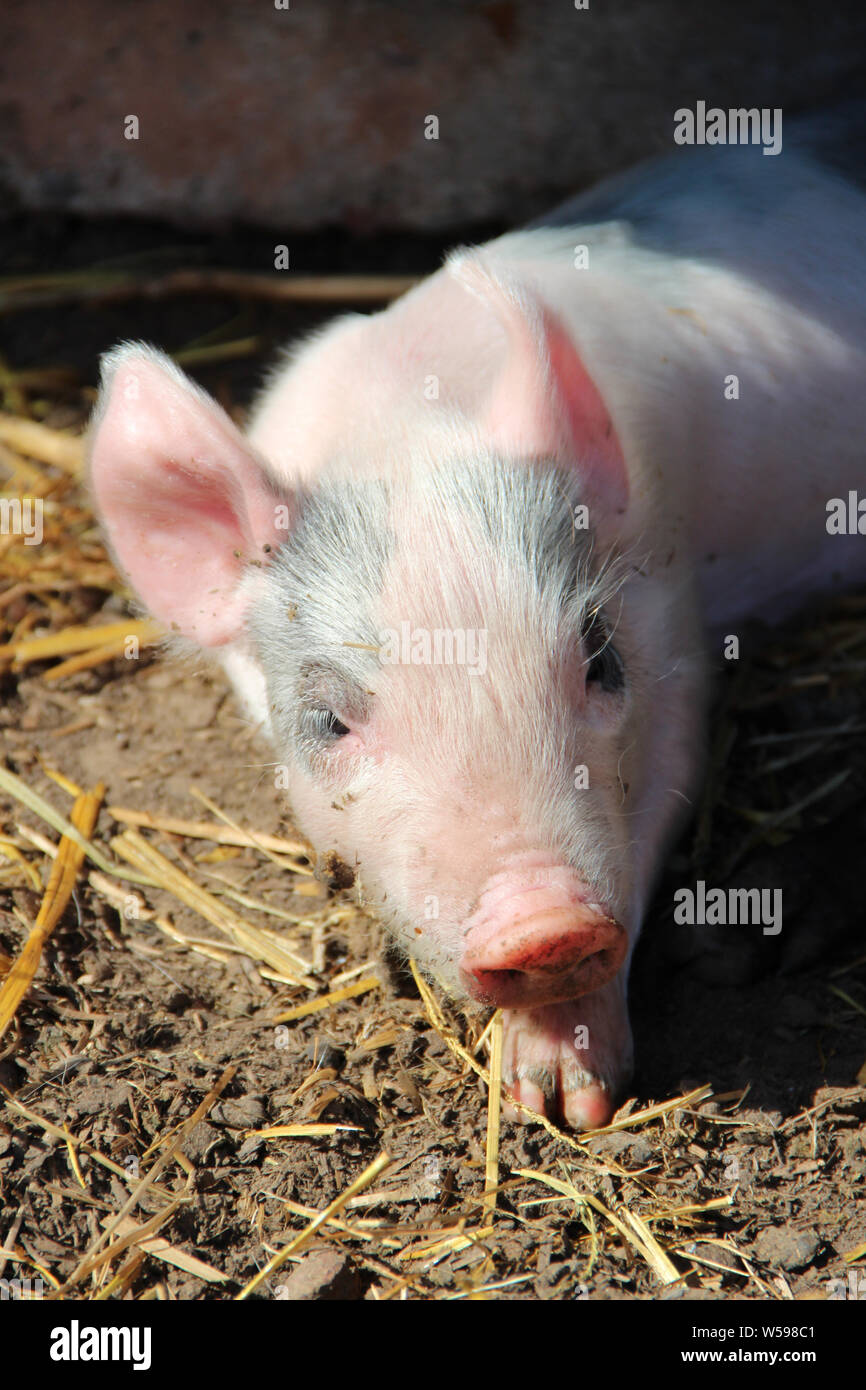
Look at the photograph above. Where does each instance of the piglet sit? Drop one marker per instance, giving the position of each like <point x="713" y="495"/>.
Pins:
<point x="466" y="563"/>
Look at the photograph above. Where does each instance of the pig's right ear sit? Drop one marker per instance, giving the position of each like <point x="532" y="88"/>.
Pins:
<point x="184" y="500"/>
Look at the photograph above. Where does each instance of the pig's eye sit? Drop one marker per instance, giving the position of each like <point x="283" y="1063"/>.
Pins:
<point x="323" y="724"/>
<point x="604" y="668"/>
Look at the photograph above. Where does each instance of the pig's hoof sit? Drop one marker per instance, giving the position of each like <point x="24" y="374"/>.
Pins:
<point x="579" y="1107"/>
<point x="568" y="1061"/>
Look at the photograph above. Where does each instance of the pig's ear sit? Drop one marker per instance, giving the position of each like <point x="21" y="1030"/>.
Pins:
<point x="184" y="500"/>
<point x="544" y="403"/>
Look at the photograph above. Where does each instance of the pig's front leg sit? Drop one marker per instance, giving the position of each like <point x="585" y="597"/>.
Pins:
<point x="569" y="1060"/>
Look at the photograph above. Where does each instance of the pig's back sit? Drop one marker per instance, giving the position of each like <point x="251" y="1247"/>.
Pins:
<point x="664" y="199"/>
<point x="724" y="262"/>
<point x="706" y="264"/>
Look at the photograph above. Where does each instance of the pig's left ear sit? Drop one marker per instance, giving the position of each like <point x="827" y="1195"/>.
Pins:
<point x="184" y="500"/>
<point x="544" y="403"/>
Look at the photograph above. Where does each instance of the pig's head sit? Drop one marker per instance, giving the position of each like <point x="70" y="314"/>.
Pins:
<point x="462" y="676"/>
<point x="450" y="703"/>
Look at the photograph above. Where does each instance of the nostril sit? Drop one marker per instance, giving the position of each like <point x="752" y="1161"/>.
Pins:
<point x="490" y="986"/>
<point x="561" y="952"/>
<point x="541" y="944"/>
<point x="552" y="979"/>
<point x="547" y="963"/>
<point x="497" y="977"/>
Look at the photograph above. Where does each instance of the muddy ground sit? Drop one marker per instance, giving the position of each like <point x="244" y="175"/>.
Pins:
<point x="754" y="1192"/>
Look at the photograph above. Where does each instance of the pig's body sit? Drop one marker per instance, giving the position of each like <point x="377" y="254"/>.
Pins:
<point x="706" y="265"/>
<point x="430" y="459"/>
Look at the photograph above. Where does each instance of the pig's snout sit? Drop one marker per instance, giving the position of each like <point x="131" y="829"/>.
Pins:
<point x="540" y="945"/>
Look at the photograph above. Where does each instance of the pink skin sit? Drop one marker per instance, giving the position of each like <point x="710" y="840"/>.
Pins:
<point x="516" y="925"/>
<point x="546" y="1067"/>
<point x="204" y="470"/>
<point x="533" y="940"/>
<point x="459" y="791"/>
<point x="493" y="830"/>
<point x="536" y="943"/>
<point x="539" y="938"/>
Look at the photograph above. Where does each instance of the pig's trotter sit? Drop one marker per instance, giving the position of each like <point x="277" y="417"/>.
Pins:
<point x="569" y="1061"/>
